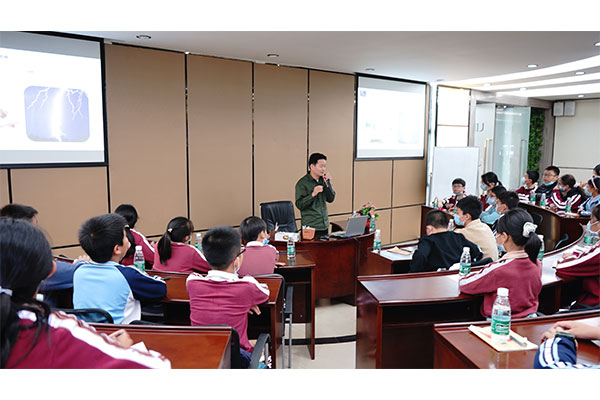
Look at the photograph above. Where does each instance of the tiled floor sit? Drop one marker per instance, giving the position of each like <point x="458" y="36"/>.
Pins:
<point x="333" y="319"/>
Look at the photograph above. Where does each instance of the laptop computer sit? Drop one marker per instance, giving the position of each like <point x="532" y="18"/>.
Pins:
<point x="354" y="227"/>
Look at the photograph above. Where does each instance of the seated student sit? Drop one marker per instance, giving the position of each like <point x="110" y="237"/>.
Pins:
<point x="222" y="297"/>
<point x="440" y="248"/>
<point x="130" y="214"/>
<point x="34" y="337"/>
<point x="489" y="180"/>
<point x="586" y="265"/>
<point x="458" y="192"/>
<point x="475" y="231"/>
<point x="260" y="257"/>
<point x="560" y="352"/>
<point x="173" y="254"/>
<point x="549" y="182"/>
<point x="63" y="277"/>
<point x="491" y="215"/>
<point x="518" y="271"/>
<point x="564" y="191"/>
<point x="104" y="283"/>
<point x="528" y="184"/>
<point x="592" y="189"/>
<point x="507" y="200"/>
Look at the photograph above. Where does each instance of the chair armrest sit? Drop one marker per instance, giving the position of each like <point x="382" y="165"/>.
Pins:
<point x="259" y="348"/>
<point x="287" y="310"/>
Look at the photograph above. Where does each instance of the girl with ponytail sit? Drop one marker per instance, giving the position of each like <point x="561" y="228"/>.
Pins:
<point x="173" y="254"/>
<point x="518" y="270"/>
<point x="592" y="189"/>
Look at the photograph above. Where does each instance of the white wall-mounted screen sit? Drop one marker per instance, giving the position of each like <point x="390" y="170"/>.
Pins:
<point x="51" y="100"/>
<point x="390" y="118"/>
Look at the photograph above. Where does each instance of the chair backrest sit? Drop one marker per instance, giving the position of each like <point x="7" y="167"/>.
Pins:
<point x="562" y="242"/>
<point x="89" y="314"/>
<point x="281" y="212"/>
<point x="537" y="219"/>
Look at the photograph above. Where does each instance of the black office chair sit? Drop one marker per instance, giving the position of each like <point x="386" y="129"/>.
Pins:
<point x="280" y="212"/>
<point x="537" y="219"/>
<point x="88" y="314"/>
<point x="483" y="261"/>
<point x="562" y="242"/>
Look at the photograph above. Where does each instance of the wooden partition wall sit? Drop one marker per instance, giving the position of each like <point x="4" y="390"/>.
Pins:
<point x="213" y="138"/>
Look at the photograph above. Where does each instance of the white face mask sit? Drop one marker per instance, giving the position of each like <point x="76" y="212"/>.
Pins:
<point x="589" y="228"/>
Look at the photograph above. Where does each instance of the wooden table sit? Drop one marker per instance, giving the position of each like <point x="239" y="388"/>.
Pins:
<point x="336" y="264"/>
<point x="176" y="307"/>
<point x="184" y="346"/>
<point x="300" y="274"/>
<point x="396" y="313"/>
<point x="456" y="347"/>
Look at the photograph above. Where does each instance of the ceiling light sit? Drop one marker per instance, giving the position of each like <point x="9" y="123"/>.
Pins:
<point x="370" y="69"/>
<point x="579" y="73"/>
<point x="597" y="44"/>
<point x="580" y="95"/>
<point x="548" y="82"/>
<point x="487" y="84"/>
<point x="187" y="52"/>
<point x="572" y="90"/>
<point x="144" y="37"/>
<point x="523" y="88"/>
<point x="532" y="65"/>
<point x="272" y="55"/>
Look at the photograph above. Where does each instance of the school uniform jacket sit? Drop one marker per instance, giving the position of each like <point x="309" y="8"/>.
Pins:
<point x="481" y="234"/>
<point x="558" y="353"/>
<point x="258" y="259"/>
<point x="117" y="289"/>
<point x="224" y="298"/>
<point x="585" y="265"/>
<point x="514" y="271"/>
<point x="589" y="204"/>
<point x="441" y="250"/>
<point x="147" y="248"/>
<point x="184" y="258"/>
<point x="72" y="344"/>
<point x="561" y="202"/>
<point x="524" y="191"/>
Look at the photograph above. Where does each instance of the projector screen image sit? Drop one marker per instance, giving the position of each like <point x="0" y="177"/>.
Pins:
<point x="390" y="119"/>
<point x="51" y="107"/>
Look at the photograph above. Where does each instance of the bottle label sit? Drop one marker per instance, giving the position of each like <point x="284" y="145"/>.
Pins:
<point x="464" y="268"/>
<point x="501" y="324"/>
<point x="540" y="254"/>
<point x="377" y="245"/>
<point x="587" y="239"/>
<point x="291" y="250"/>
<point x="141" y="265"/>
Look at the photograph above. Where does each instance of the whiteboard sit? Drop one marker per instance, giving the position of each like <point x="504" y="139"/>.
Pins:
<point x="450" y="163"/>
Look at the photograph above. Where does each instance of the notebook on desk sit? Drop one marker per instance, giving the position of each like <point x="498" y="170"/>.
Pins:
<point x="354" y="227"/>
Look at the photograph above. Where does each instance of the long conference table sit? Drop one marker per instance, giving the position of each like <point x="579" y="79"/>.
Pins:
<point x="396" y="313"/>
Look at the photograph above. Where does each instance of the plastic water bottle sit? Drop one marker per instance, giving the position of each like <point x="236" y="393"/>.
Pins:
<point x="138" y="259"/>
<point x="372" y="224"/>
<point x="465" y="262"/>
<point x="291" y="249"/>
<point x="568" y="205"/>
<point x="543" y="200"/>
<point x="588" y="240"/>
<point x="541" y="252"/>
<point x="532" y="197"/>
<point x="451" y="225"/>
<point x="377" y="241"/>
<point x="199" y="241"/>
<point x="501" y="317"/>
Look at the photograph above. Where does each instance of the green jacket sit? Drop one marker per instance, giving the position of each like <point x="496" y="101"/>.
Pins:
<point x="314" y="209"/>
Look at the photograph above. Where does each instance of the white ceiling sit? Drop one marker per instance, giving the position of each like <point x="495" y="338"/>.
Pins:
<point x="422" y="56"/>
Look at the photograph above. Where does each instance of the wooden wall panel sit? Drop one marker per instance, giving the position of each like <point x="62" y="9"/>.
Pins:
<point x="373" y="182"/>
<point x="64" y="198"/>
<point x="331" y="131"/>
<point x="280" y="132"/>
<point x="4" y="197"/>
<point x="409" y="182"/>
<point x="406" y="223"/>
<point x="145" y="99"/>
<point x="220" y="140"/>
<point x="384" y="222"/>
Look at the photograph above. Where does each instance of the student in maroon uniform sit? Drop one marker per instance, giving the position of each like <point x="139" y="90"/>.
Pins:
<point x="489" y="180"/>
<point x="221" y="297"/>
<point x="260" y="257"/>
<point x="529" y="184"/>
<point x="31" y="335"/>
<point x="173" y="254"/>
<point x="564" y="191"/>
<point x="518" y="270"/>
<point x="130" y="214"/>
<point x="458" y="192"/>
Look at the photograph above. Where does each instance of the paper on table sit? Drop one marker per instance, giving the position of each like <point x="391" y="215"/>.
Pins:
<point x="406" y="251"/>
<point x="484" y="333"/>
<point x="395" y="256"/>
<point x="140" y="346"/>
<point x="283" y="236"/>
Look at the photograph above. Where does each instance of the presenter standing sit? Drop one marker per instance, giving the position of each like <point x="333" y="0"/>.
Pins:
<point x="313" y="192"/>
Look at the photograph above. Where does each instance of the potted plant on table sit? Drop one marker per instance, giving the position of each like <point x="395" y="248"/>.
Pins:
<point x="369" y="209"/>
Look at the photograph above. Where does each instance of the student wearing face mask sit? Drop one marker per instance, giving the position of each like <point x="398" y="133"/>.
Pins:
<point x="528" y="184"/>
<point x="260" y="257"/>
<point x="549" y="182"/>
<point x="585" y="265"/>
<point x="458" y="192"/>
<point x="491" y="215"/>
<point x="592" y="190"/>
<point x="489" y="180"/>
<point x="468" y="223"/>
<point x="564" y="191"/>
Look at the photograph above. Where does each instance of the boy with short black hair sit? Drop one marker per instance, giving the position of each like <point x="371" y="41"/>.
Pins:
<point x="468" y="212"/>
<point x="507" y="201"/>
<point x="104" y="283"/>
<point x="458" y="193"/>
<point x="260" y="257"/>
<point x="440" y="248"/>
<point x="221" y="297"/>
<point x="549" y="182"/>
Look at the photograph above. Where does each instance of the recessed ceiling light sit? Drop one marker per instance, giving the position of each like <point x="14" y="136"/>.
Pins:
<point x="579" y="73"/>
<point x="487" y="84"/>
<point x="144" y="37"/>
<point x="370" y="69"/>
<point x="580" y="95"/>
<point x="597" y="44"/>
<point x="187" y="52"/>
<point x="523" y="88"/>
<point x="272" y="55"/>
<point x="532" y="65"/>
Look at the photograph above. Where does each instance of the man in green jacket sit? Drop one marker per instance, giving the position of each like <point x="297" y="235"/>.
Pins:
<point x="313" y="192"/>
